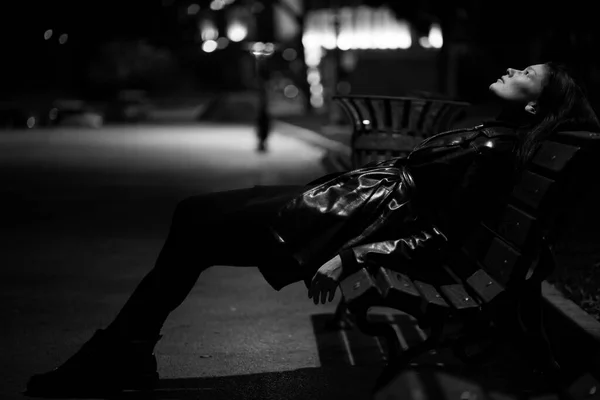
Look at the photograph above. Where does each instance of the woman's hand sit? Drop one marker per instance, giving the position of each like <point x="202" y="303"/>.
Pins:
<point x="326" y="280"/>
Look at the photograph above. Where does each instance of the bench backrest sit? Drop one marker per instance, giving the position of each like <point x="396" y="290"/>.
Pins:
<point x="504" y="254"/>
<point x="386" y="127"/>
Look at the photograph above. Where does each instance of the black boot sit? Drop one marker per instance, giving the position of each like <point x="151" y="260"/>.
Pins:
<point x="104" y="365"/>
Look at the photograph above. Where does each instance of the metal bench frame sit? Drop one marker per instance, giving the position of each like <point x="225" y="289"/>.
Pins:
<point x="386" y="127"/>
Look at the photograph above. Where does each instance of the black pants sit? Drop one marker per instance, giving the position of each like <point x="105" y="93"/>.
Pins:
<point x="222" y="228"/>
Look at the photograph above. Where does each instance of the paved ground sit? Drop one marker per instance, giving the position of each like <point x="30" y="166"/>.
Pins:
<point x="84" y="215"/>
<point x="85" y="212"/>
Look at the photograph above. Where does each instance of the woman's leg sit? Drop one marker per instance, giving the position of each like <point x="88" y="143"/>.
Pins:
<point x="225" y="228"/>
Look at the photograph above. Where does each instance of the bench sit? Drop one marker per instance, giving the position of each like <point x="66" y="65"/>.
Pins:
<point x="492" y="291"/>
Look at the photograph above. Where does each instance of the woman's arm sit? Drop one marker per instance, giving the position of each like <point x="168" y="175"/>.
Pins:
<point x="424" y="246"/>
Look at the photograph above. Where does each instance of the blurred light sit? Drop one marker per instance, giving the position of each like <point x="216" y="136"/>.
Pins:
<point x="317" y="101"/>
<point x="216" y="5"/>
<point x="363" y="34"/>
<point x="435" y="36"/>
<point x="48" y="34"/>
<point x="53" y="114"/>
<point x="236" y="31"/>
<point x="30" y="122"/>
<point x="313" y="76"/>
<point x="222" y="42"/>
<point x="193" y="9"/>
<point x="289" y="54"/>
<point x="313" y="55"/>
<point x="208" y="30"/>
<point x="311" y="39"/>
<point x="344" y="42"/>
<point x="262" y="49"/>
<point x="227" y="2"/>
<point x="290" y="91"/>
<point x="403" y="35"/>
<point x="209" y="46"/>
<point x="258" y="47"/>
<point x="424" y="42"/>
<point x="346" y="32"/>
<point x="316" y="89"/>
<point x="359" y="28"/>
<point x="366" y="122"/>
<point x="62" y="39"/>
<point x="348" y="60"/>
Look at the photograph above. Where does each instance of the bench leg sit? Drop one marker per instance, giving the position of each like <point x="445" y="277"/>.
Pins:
<point x="342" y="319"/>
<point x="535" y="342"/>
<point x="381" y="329"/>
<point x="404" y="358"/>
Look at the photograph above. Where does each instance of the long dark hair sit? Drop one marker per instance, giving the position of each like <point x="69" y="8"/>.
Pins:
<point x="562" y="105"/>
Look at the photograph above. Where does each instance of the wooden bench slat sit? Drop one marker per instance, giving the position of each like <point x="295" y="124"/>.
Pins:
<point x="515" y="225"/>
<point x="486" y="287"/>
<point x="458" y="297"/>
<point x="397" y="288"/>
<point x="501" y="261"/>
<point x="554" y="156"/>
<point x="531" y="189"/>
<point x="433" y="305"/>
<point x="360" y="289"/>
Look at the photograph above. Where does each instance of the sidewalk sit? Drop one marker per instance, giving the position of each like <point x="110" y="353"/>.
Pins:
<point x="317" y="129"/>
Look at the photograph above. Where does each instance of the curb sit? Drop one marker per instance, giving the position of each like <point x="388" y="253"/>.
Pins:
<point x="573" y="333"/>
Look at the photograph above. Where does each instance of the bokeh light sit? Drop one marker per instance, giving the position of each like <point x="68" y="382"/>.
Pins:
<point x="209" y="46"/>
<point x="435" y="36"/>
<point x="291" y="91"/>
<point x="193" y="9"/>
<point x="289" y="54"/>
<point x="236" y="31"/>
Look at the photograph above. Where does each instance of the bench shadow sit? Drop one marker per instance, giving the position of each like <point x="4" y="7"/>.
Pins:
<point x="305" y="383"/>
<point x="350" y="364"/>
<point x="507" y="373"/>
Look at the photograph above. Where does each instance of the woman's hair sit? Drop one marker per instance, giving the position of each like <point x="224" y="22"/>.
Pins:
<point x="561" y="105"/>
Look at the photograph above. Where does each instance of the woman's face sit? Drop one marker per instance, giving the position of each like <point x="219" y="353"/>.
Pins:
<point x="521" y="86"/>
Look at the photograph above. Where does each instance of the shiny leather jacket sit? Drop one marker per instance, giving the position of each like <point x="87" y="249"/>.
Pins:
<point x="402" y="211"/>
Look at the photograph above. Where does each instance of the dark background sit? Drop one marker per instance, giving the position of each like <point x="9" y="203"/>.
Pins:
<point x="496" y="34"/>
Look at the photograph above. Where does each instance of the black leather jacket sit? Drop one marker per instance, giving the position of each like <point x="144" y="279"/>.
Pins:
<point x="401" y="211"/>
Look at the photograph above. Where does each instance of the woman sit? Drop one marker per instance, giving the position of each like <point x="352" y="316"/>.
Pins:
<point x="399" y="212"/>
